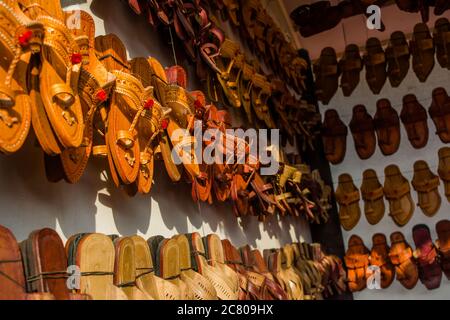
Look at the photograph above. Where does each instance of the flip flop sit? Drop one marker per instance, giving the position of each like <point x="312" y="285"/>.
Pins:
<point x="422" y="50"/>
<point x="387" y="127"/>
<point x="348" y="196"/>
<point x="440" y="113"/>
<point x="373" y="196"/>
<point x="402" y="258"/>
<point x="398" y="56"/>
<point x="426" y="184"/>
<point x="379" y="256"/>
<point x="357" y="262"/>
<point x="363" y="132"/>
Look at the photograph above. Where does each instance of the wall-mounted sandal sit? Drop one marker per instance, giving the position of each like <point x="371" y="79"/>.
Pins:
<point x="363" y="132"/>
<point x="443" y="244"/>
<point x="415" y="119"/>
<point x="387" y="127"/>
<point x="348" y="196"/>
<point x="357" y="261"/>
<point x="398" y="192"/>
<point x="373" y="195"/>
<point x="444" y="169"/>
<point x="401" y="255"/>
<point x="441" y="37"/>
<point x="351" y="66"/>
<point x="430" y="272"/>
<point x="440" y="113"/>
<point x="426" y="184"/>
<point x="245" y="89"/>
<point x="327" y="74"/>
<point x="398" y="56"/>
<point x="334" y="136"/>
<point x="422" y="50"/>
<point x="379" y="256"/>
<point x="261" y="91"/>
<point x="375" y="62"/>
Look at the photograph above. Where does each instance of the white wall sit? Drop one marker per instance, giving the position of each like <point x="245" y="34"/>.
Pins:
<point x="29" y="202"/>
<point x="404" y="158"/>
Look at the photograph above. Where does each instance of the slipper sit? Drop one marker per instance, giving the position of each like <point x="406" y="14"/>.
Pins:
<point x="430" y="272"/>
<point x="440" y="113"/>
<point x="334" y="136"/>
<point x="398" y="192"/>
<point x="351" y="66"/>
<point x="402" y="258"/>
<point x="357" y="262"/>
<point x="426" y="184"/>
<point x="414" y="118"/>
<point x="422" y="50"/>
<point x="443" y="169"/>
<point x="387" y="127"/>
<point x="373" y="196"/>
<point x="375" y="62"/>
<point x="363" y="132"/>
<point x="327" y="74"/>
<point x="348" y="196"/>
<point x="443" y="244"/>
<point x="441" y="37"/>
<point x="398" y="56"/>
<point x="379" y="256"/>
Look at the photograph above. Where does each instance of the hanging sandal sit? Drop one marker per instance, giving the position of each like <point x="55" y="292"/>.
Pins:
<point x="414" y="118"/>
<point x="440" y="113"/>
<point x="387" y="127"/>
<point x="401" y="256"/>
<point x="347" y="196"/>
<point x="357" y="262"/>
<point x="422" y="50"/>
<point x="373" y="196"/>
<point x="398" y="56"/>
<point x="245" y="89"/>
<point x="443" y="169"/>
<point x="398" y="192"/>
<point x="363" y="132"/>
<point x="443" y="245"/>
<point x="351" y="66"/>
<point x="379" y="256"/>
<point x="441" y="37"/>
<point x="426" y="184"/>
<point x="261" y="91"/>
<point x="375" y="62"/>
<point x="327" y="74"/>
<point x="334" y="135"/>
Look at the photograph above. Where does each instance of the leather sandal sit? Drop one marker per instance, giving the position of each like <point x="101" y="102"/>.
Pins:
<point x="245" y="88"/>
<point x="327" y="74"/>
<point x="443" y="245"/>
<point x="422" y="50"/>
<point x="287" y="263"/>
<point x="443" y="169"/>
<point x="441" y="37"/>
<point x="398" y="192"/>
<point x="414" y="117"/>
<point x="379" y="256"/>
<point x="373" y="195"/>
<point x="398" y="56"/>
<point x="440" y="113"/>
<point x="387" y="127"/>
<point x="348" y="196"/>
<point x="351" y="66"/>
<point x="12" y="278"/>
<point x="261" y="91"/>
<point x="363" y="132"/>
<point x="402" y="258"/>
<point x="426" y="184"/>
<point x="334" y="135"/>
<point x="357" y="261"/>
<point x="430" y="272"/>
<point x="94" y="254"/>
<point x="375" y="62"/>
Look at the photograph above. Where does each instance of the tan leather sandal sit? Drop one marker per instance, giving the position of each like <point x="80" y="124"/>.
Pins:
<point x="348" y="196"/>
<point x="373" y="196"/>
<point x="426" y="184"/>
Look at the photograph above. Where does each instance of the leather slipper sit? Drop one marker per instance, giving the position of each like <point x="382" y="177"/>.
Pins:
<point x="375" y="62"/>
<point x="387" y="127"/>
<point x="363" y="132"/>
<point x="379" y="256"/>
<point x="334" y="135"/>
<point x="373" y="195"/>
<point x="357" y="261"/>
<point x="398" y="192"/>
<point x="415" y="119"/>
<point x="327" y="74"/>
<point x="351" y="66"/>
<point x="430" y="272"/>
<point x="443" y="244"/>
<point x="422" y="50"/>
<point x="402" y="258"/>
<point x="426" y="184"/>
<point x="443" y="169"/>
<point x="398" y="56"/>
<point x="441" y="37"/>
<point x="440" y="113"/>
<point x="347" y="196"/>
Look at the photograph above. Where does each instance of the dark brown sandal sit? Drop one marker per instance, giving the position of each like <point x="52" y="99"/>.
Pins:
<point x="440" y="113"/>
<point x="422" y="50"/>
<point x="441" y="36"/>
<point x="375" y="62"/>
<point x="363" y="131"/>
<point x="397" y="54"/>
<point x="351" y="66"/>
<point x="334" y="135"/>
<point x="387" y="126"/>
<point x="327" y="75"/>
<point x="414" y="118"/>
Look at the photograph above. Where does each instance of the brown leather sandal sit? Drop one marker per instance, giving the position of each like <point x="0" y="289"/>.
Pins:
<point x="402" y="258"/>
<point x="334" y="135"/>
<point x="373" y="196"/>
<point x="357" y="261"/>
<point x="422" y="50"/>
<point x="443" y="169"/>
<point x="398" y="56"/>
<point x="363" y="132"/>
<point x="327" y="73"/>
<point x="379" y="256"/>
<point x="245" y="89"/>
<point x="375" y="62"/>
<point x="261" y="91"/>
<point x="398" y="192"/>
<point x="387" y="126"/>
<point x="351" y="66"/>
<point x="348" y="196"/>
<point x="414" y="117"/>
<point x="443" y="245"/>
<point x="426" y="184"/>
<point x="440" y="113"/>
<point x="441" y="37"/>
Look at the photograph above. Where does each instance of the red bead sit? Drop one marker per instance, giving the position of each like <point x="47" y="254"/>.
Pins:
<point x="76" y="58"/>
<point x="149" y="104"/>
<point x="164" y="124"/>
<point x="25" y="37"/>
<point x="101" y="95"/>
